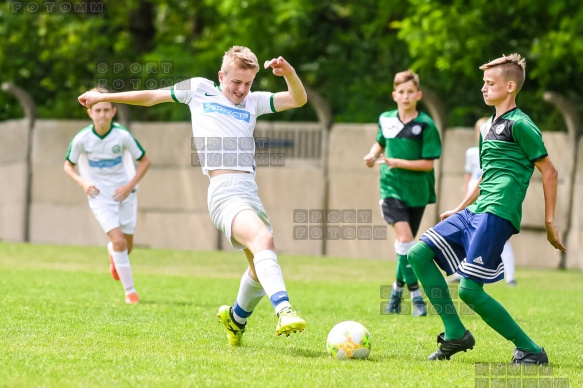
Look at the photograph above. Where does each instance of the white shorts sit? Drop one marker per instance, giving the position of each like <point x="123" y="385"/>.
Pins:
<point x="229" y="194"/>
<point x="111" y="214"/>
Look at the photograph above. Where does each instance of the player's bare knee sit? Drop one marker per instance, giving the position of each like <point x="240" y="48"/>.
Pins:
<point x="263" y="240"/>
<point x="119" y="244"/>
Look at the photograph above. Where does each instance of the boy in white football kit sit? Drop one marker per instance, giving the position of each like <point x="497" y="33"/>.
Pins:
<point x="223" y="120"/>
<point x="104" y="153"/>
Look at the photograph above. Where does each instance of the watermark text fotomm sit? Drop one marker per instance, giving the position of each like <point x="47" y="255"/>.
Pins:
<point x="457" y="307"/>
<point x="336" y="224"/>
<point x="501" y="374"/>
<point x="135" y="75"/>
<point x="232" y="152"/>
<point x="56" y="7"/>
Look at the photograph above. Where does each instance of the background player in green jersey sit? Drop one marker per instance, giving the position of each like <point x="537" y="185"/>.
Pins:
<point x="470" y="240"/>
<point x="408" y="144"/>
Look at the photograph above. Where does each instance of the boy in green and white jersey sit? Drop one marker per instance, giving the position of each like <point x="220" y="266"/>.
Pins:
<point x="470" y="238"/>
<point x="409" y="143"/>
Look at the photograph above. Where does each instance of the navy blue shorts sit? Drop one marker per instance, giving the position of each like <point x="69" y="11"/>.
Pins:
<point x="470" y="244"/>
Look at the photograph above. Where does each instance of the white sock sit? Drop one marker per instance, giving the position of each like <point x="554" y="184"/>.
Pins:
<point x="397" y="288"/>
<point x="250" y="294"/>
<point x="124" y="270"/>
<point x="508" y="260"/>
<point x="269" y="273"/>
<point x="415" y="293"/>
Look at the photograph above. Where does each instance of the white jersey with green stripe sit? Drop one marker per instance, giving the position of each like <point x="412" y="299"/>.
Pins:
<point x="222" y="131"/>
<point x="102" y="159"/>
<point x="509" y="147"/>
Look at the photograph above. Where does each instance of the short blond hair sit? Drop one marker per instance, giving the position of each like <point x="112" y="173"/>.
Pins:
<point x="239" y="57"/>
<point x="513" y="68"/>
<point x="406" y="76"/>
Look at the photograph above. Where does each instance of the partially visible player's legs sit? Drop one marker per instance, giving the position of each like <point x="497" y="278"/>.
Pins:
<point x="421" y="257"/>
<point x="121" y="262"/>
<point x="112" y="269"/>
<point x="394" y="304"/>
<point x="508" y="260"/>
<point x="496" y="316"/>
<point x="455" y="338"/>
<point x="396" y="297"/>
<point x="250" y="293"/>
<point x="405" y="241"/>
<point x="250" y="231"/>
<point x="405" y="221"/>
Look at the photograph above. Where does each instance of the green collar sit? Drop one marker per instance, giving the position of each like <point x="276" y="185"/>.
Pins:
<point x="104" y="135"/>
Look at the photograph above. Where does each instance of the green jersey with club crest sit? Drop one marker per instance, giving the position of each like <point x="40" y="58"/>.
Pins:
<point x="415" y="140"/>
<point x="509" y="147"/>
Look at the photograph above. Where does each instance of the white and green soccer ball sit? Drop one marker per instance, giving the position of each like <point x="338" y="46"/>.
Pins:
<point x="348" y="340"/>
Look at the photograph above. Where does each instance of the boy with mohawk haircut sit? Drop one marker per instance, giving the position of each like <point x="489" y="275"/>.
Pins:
<point x="470" y="238"/>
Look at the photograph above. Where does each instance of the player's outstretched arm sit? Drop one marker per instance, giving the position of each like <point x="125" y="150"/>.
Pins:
<point x="296" y="95"/>
<point x="550" y="183"/>
<point x="138" y="97"/>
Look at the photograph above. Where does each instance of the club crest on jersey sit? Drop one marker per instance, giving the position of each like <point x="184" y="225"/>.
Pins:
<point x="499" y="129"/>
<point x="416" y="129"/>
<point x="116" y="149"/>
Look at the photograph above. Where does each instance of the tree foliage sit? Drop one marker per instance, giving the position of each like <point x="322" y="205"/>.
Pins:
<point x="346" y="50"/>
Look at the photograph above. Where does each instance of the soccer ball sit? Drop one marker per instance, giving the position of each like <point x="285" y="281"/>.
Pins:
<point x="348" y="340"/>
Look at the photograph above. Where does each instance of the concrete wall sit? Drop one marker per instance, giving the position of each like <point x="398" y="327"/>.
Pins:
<point x="13" y="177"/>
<point x="575" y="236"/>
<point x="352" y="185"/>
<point x="59" y="213"/>
<point x="172" y="210"/>
<point x="172" y="197"/>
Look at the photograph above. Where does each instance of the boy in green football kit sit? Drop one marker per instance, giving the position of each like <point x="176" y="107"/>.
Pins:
<point x="469" y="240"/>
<point x="408" y="143"/>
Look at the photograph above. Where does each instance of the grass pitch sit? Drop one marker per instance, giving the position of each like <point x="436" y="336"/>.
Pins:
<point x="64" y="323"/>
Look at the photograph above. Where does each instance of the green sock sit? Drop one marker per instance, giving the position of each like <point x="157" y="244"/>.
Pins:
<point x="406" y="270"/>
<point x="495" y="315"/>
<point x="399" y="272"/>
<point x="421" y="259"/>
